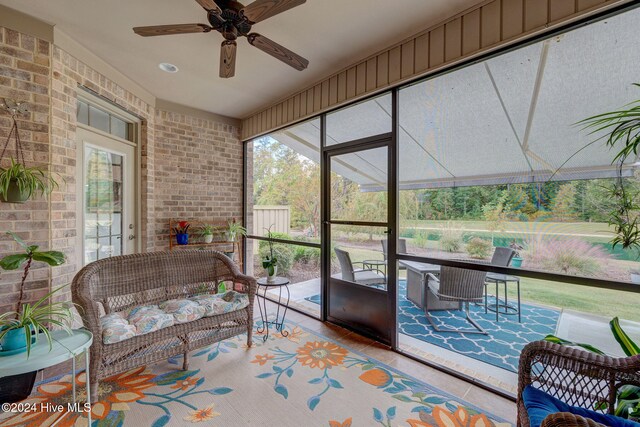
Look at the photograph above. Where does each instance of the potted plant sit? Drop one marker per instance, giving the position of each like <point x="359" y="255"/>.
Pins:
<point x="19" y="330"/>
<point x="516" y="261"/>
<point x="18" y="182"/>
<point x="270" y="262"/>
<point x="206" y="232"/>
<point x="182" y="232"/>
<point x="235" y="229"/>
<point x="635" y="276"/>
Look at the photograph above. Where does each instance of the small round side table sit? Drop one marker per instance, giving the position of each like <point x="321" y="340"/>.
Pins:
<point x="63" y="348"/>
<point x="278" y="282"/>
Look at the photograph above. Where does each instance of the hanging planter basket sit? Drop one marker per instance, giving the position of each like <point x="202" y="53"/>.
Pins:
<point x="17" y="181"/>
<point x="15" y="194"/>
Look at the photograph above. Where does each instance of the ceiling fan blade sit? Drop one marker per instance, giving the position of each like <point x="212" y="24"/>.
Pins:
<point x="164" y="30"/>
<point x="278" y="51"/>
<point x="228" y="59"/>
<point x="210" y="5"/>
<point x="260" y="10"/>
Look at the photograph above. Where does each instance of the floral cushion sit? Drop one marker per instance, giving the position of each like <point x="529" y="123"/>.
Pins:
<point x="149" y="318"/>
<point x="225" y="302"/>
<point x="183" y="310"/>
<point x="115" y="328"/>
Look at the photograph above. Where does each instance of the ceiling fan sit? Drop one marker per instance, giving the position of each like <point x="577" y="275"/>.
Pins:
<point x="232" y="20"/>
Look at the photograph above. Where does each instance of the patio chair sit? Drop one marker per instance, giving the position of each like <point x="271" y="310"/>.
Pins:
<point x="402" y="249"/>
<point x="459" y="285"/>
<point x="357" y="275"/>
<point x="502" y="256"/>
<point x="568" y="386"/>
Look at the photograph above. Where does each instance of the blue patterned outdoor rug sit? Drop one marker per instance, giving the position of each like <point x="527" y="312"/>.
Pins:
<point x="500" y="348"/>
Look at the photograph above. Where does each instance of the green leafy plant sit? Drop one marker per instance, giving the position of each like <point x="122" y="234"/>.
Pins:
<point x="206" y="230"/>
<point x="36" y="318"/>
<point x="479" y="248"/>
<point x="30" y="254"/>
<point x="28" y="180"/>
<point x="235" y="229"/>
<point x="621" y="129"/>
<point x="628" y="397"/>
<point x="269" y="261"/>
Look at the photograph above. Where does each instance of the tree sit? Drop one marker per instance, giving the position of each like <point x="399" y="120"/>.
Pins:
<point x="562" y="208"/>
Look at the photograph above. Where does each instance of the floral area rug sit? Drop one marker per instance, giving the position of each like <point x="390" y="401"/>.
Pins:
<point x="501" y="348"/>
<point x="301" y="379"/>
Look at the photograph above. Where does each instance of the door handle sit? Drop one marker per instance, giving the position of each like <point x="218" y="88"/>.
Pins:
<point x="131" y="237"/>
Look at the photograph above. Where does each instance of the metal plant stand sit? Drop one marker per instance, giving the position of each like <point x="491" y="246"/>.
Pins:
<point x="278" y="282"/>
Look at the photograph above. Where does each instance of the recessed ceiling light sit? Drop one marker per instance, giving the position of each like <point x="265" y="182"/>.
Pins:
<point x="169" y="68"/>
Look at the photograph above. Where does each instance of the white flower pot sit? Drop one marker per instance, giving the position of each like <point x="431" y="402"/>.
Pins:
<point x="271" y="278"/>
<point x="208" y="238"/>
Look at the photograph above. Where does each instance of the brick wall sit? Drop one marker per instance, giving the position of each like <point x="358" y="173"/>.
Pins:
<point x="190" y="167"/>
<point x="24" y="75"/>
<point x="198" y="171"/>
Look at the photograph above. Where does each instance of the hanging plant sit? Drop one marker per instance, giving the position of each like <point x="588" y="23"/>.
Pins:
<point x="622" y="129"/>
<point x="17" y="181"/>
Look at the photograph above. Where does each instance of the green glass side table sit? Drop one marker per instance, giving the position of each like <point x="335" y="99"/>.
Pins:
<point x="64" y="347"/>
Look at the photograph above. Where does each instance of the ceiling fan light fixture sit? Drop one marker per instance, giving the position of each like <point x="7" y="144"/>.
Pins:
<point x="167" y="67"/>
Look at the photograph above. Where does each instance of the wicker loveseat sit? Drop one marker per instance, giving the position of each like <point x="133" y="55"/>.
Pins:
<point x="576" y="377"/>
<point x="185" y="281"/>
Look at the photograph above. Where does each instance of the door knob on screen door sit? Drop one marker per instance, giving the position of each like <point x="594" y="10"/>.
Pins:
<point x="131" y="237"/>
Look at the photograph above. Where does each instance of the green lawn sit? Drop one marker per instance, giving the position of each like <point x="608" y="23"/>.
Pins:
<point x="603" y="302"/>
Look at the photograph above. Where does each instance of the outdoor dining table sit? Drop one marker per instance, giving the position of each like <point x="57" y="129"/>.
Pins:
<point x="417" y="289"/>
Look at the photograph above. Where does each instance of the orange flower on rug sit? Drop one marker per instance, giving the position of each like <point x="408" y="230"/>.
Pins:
<point x="321" y="354"/>
<point x="443" y="418"/>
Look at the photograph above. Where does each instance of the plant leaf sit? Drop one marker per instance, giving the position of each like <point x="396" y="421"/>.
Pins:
<point x="629" y="347"/>
<point x="557" y="340"/>
<point x="53" y="258"/>
<point x="13" y="262"/>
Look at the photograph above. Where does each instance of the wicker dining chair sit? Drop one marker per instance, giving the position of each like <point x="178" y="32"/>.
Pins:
<point x="461" y="285"/>
<point x="576" y="377"/>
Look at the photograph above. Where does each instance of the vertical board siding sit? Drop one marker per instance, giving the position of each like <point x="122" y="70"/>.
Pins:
<point x="453" y="39"/>
<point x="512" y="13"/>
<point x="407" y="69"/>
<point x="487" y="26"/>
<point x="471" y="32"/>
<point x="559" y="9"/>
<point x="421" y="53"/>
<point x="436" y="47"/>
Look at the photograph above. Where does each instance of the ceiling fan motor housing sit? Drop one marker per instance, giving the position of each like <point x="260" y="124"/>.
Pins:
<point x="231" y="23"/>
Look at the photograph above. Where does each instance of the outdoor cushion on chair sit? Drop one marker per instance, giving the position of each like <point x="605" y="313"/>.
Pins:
<point x="221" y="303"/>
<point x="540" y="404"/>
<point x="368" y="277"/>
<point x="116" y="328"/>
<point x="183" y="310"/>
<point x="149" y="318"/>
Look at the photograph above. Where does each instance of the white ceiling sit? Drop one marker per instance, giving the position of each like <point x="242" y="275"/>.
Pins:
<point x="331" y="34"/>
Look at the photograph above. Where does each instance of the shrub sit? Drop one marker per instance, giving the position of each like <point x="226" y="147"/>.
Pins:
<point x="451" y="237"/>
<point x="421" y="238"/>
<point x="479" y="248"/>
<point x="572" y="256"/>
<point x="282" y="253"/>
<point x="307" y="255"/>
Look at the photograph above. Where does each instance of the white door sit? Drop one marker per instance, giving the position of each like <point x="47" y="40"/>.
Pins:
<point x="107" y="196"/>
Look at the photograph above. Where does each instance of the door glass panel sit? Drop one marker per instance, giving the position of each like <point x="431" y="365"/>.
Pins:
<point x="119" y="128"/>
<point x="359" y="186"/>
<point x="103" y="204"/>
<point x="358" y="255"/>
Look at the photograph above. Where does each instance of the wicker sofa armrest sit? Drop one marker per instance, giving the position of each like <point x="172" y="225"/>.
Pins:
<point x="249" y="284"/>
<point x="567" y="419"/>
<point x="89" y="307"/>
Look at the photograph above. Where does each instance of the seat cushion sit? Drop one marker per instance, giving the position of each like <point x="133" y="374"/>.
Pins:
<point x="225" y="302"/>
<point x="182" y="310"/>
<point x="149" y="318"/>
<point x="540" y="404"/>
<point x="116" y="328"/>
<point x="368" y="277"/>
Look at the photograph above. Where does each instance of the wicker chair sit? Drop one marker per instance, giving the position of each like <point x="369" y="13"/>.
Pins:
<point x="456" y="284"/>
<point x="577" y="377"/>
<point x="123" y="282"/>
<point x="357" y="275"/>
